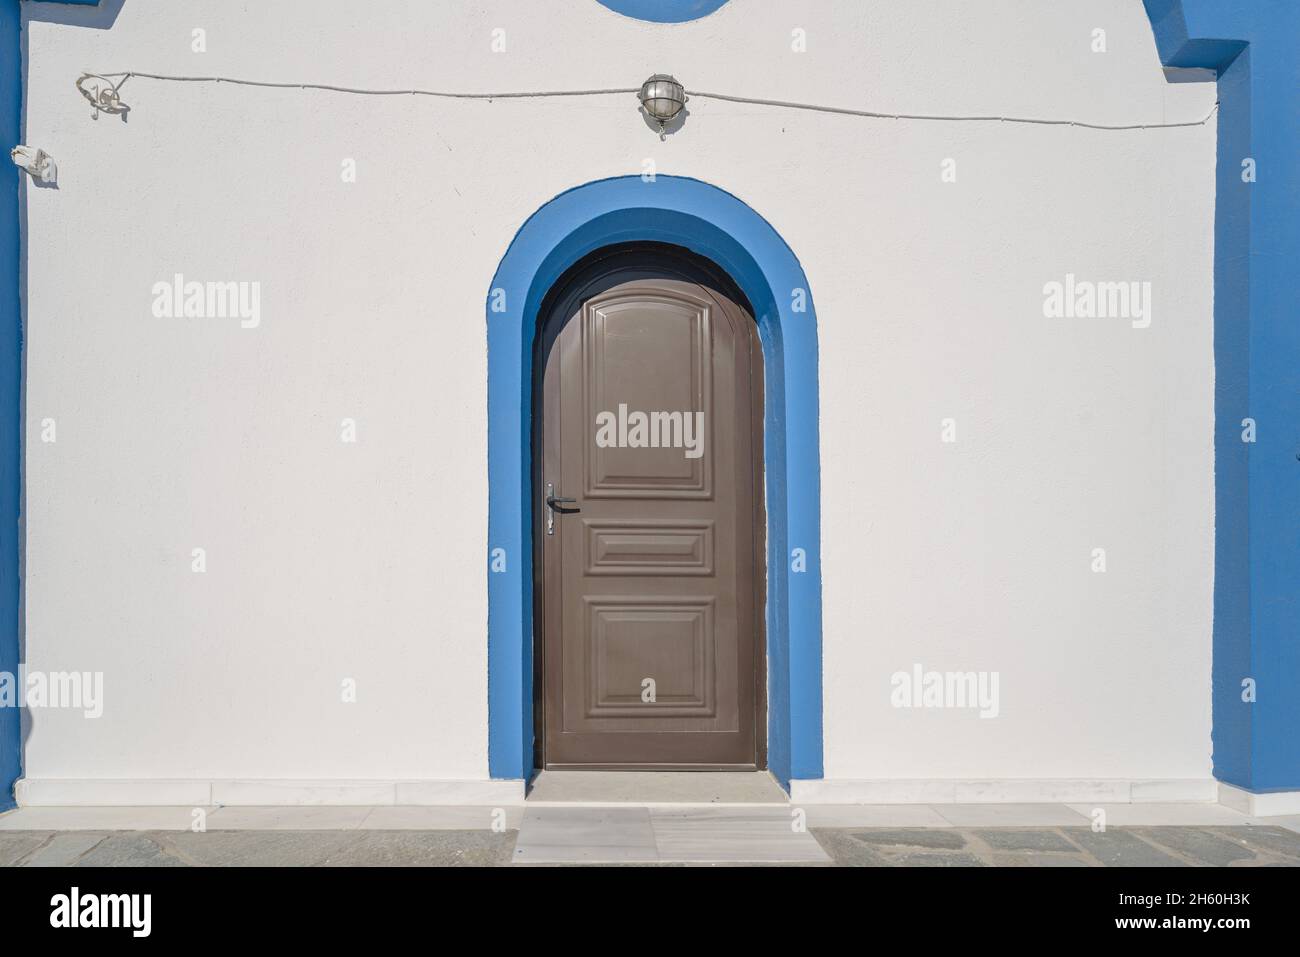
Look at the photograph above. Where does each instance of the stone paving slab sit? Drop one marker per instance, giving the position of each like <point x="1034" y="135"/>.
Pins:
<point x="1116" y="848"/>
<point x="764" y="835"/>
<point x="62" y="850"/>
<point x="16" y="847"/>
<point x="1238" y="846"/>
<point x="1197" y="844"/>
<point x="1038" y="860"/>
<point x="442" y="848"/>
<point x="658" y="835"/>
<point x="129" y="850"/>
<point x="583" y="835"/>
<point x="847" y="851"/>
<point x="1015" y="839"/>
<point x="936" y="859"/>
<point x="1267" y="839"/>
<point x="912" y="838"/>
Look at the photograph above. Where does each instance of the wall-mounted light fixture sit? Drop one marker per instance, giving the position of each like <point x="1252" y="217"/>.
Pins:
<point x="662" y="98"/>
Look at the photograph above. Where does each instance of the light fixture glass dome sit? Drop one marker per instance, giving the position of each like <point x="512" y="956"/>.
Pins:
<point x="662" y="97"/>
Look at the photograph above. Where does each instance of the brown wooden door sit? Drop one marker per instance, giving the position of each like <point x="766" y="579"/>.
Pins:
<point x="651" y="421"/>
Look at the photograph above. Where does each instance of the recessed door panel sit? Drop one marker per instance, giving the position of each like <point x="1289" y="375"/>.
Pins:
<point x="629" y="341"/>
<point x="662" y="547"/>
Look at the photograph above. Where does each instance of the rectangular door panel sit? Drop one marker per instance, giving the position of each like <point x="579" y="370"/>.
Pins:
<point x="641" y="548"/>
<point x="648" y="357"/>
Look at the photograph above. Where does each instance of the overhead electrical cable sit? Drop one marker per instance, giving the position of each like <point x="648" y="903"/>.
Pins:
<point x="115" y="81"/>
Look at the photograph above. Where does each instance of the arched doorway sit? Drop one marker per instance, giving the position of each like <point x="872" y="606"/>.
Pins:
<point x="720" y="228"/>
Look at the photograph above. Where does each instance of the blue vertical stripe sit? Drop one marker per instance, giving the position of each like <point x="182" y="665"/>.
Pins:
<point x="11" y="100"/>
<point x="1251" y="44"/>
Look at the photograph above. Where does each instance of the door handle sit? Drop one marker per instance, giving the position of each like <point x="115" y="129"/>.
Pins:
<point x="553" y="505"/>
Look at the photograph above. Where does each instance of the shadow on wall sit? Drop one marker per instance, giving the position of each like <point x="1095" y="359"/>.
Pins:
<point x="76" y="13"/>
<point x="26" y="721"/>
<point x="669" y="128"/>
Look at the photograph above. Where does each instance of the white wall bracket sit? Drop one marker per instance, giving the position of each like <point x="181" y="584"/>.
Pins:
<point x="37" y="162"/>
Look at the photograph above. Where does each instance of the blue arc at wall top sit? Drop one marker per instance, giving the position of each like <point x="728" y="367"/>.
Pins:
<point x="664" y="11"/>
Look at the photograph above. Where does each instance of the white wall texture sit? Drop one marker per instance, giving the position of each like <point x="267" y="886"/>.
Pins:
<point x="328" y="561"/>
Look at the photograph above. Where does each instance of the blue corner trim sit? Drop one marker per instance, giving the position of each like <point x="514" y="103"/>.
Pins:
<point x="717" y="225"/>
<point x="1251" y="44"/>
<point x="664" y="11"/>
<point x="11" y="349"/>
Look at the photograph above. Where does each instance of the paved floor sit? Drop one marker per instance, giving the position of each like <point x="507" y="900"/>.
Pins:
<point x="628" y="818"/>
<point x="1232" y="846"/>
<point x="255" y="848"/>
<point x="909" y="836"/>
<point x="674" y="843"/>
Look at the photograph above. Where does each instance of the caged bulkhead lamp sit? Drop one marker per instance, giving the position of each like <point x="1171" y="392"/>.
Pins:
<point x="662" y="98"/>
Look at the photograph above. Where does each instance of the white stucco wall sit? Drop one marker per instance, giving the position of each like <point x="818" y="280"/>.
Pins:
<point x="328" y="561"/>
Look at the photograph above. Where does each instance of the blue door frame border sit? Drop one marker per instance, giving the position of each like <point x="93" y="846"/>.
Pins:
<point x="718" y="226"/>
<point x="1257" y="361"/>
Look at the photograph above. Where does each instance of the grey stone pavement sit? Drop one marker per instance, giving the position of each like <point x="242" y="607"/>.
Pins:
<point x="1063" y="847"/>
<point x="1181" y="846"/>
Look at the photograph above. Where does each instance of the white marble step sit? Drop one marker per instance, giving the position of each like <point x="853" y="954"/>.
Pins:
<point x="608" y="835"/>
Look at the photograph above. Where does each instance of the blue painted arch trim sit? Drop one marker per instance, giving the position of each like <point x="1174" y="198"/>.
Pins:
<point x="664" y="11"/>
<point x="718" y="226"/>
